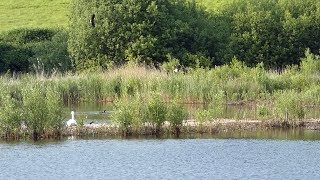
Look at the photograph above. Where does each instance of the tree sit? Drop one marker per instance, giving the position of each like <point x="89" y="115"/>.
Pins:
<point x="144" y="31"/>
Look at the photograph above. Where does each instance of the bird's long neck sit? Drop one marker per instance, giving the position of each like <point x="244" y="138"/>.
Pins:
<point x="72" y="115"/>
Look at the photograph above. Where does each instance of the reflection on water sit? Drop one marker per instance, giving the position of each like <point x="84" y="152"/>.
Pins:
<point x="211" y="158"/>
<point x="280" y="134"/>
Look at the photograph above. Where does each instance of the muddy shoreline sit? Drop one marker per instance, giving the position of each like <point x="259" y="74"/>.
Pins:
<point x="190" y="127"/>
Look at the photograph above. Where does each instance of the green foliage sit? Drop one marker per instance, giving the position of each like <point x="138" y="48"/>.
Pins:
<point x="14" y="58"/>
<point x="26" y="36"/>
<point x="36" y="99"/>
<point x="288" y="105"/>
<point x="156" y="110"/>
<point x="170" y="65"/>
<point x="132" y="113"/>
<point x="34" y="49"/>
<point x="176" y="113"/>
<point x="202" y="116"/>
<point x="52" y="54"/>
<point x="274" y="32"/>
<point x="129" y="114"/>
<point x="10" y="113"/>
<point x="263" y="112"/>
<point x="42" y="108"/>
<point x="132" y="86"/>
<point x="197" y="33"/>
<point x="310" y="64"/>
<point x="33" y="107"/>
<point x="217" y="104"/>
<point x="143" y="31"/>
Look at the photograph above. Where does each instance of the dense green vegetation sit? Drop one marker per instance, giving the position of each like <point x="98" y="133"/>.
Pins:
<point x="142" y="31"/>
<point x="262" y="54"/>
<point x="198" y="33"/>
<point x="25" y="50"/>
<point x="276" y="33"/>
<point x="141" y="96"/>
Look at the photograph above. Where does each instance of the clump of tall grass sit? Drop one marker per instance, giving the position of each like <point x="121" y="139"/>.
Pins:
<point x="213" y="111"/>
<point x="263" y="112"/>
<point x="128" y="115"/>
<point x="33" y="108"/>
<point x="310" y="64"/>
<point x="42" y="109"/>
<point x="134" y="115"/>
<point x="289" y="105"/>
<point x="10" y="115"/>
<point x="156" y="111"/>
<point x="202" y="116"/>
<point x="176" y="113"/>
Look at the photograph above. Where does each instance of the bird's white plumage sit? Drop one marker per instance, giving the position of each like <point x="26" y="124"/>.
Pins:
<point x="72" y="121"/>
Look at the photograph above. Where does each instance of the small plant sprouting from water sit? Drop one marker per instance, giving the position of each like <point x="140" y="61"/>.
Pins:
<point x="263" y="112"/>
<point x="202" y="116"/>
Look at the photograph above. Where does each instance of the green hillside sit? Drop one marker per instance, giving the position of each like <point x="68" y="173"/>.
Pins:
<point x="52" y="13"/>
<point x="35" y="13"/>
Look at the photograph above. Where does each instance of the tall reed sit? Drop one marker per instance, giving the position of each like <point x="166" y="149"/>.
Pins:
<point x="35" y="100"/>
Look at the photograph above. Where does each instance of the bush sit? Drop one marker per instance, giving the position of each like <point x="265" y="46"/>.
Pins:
<point x="176" y="113"/>
<point x="288" y="105"/>
<point x="52" y="54"/>
<point x="42" y="109"/>
<point x="156" y="111"/>
<point x="23" y="50"/>
<point x="143" y="31"/>
<point x="10" y="113"/>
<point x="274" y="32"/>
<point x="14" y="58"/>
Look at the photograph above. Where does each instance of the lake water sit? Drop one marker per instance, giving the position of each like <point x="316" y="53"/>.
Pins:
<point x="250" y="155"/>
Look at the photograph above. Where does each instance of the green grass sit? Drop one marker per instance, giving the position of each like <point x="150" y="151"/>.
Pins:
<point x="32" y="14"/>
<point x="52" y="13"/>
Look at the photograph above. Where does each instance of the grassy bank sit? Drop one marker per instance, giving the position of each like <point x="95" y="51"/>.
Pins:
<point x="150" y="97"/>
<point x="46" y="13"/>
<point x="31" y="14"/>
<point x="49" y="14"/>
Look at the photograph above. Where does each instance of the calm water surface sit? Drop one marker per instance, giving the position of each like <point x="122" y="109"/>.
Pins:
<point x="232" y="157"/>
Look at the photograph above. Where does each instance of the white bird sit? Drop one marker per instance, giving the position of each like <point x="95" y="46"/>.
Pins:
<point x="72" y="121"/>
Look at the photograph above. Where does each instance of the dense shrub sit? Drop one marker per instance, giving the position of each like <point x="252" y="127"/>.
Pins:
<point x="14" y="57"/>
<point x="51" y="54"/>
<point x="23" y="50"/>
<point x="143" y="31"/>
<point x="276" y="33"/>
<point x="153" y="31"/>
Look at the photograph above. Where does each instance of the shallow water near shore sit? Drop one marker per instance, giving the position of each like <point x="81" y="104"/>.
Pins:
<point x="274" y="154"/>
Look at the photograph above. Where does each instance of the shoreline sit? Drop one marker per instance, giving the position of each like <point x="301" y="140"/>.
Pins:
<point x="190" y="127"/>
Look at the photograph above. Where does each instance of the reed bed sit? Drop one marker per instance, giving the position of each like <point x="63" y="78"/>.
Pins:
<point x="31" y="104"/>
